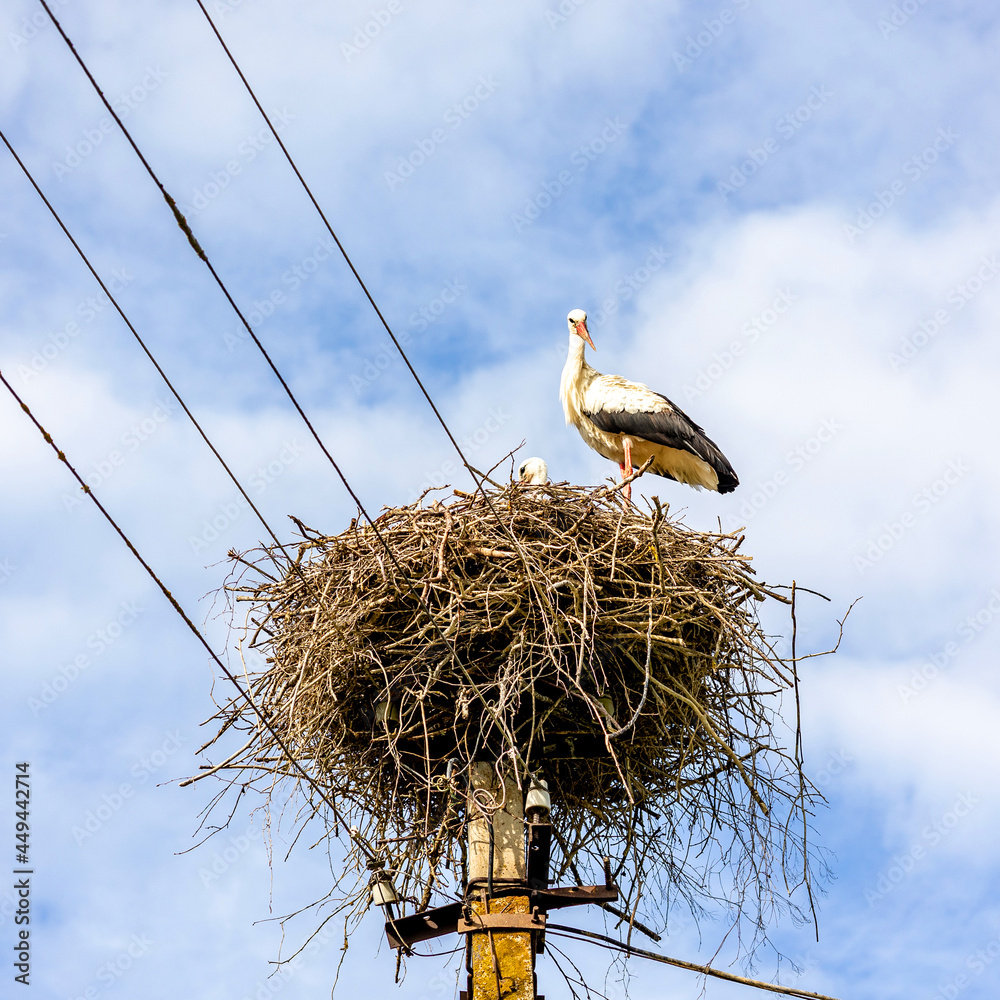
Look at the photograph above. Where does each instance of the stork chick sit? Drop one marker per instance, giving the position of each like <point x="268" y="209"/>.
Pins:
<point x="533" y="471"/>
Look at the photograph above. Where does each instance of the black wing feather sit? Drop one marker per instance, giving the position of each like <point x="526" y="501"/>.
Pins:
<point x="673" y="428"/>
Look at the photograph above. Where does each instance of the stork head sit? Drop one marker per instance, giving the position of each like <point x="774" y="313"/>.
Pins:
<point x="533" y="471"/>
<point x="577" y="320"/>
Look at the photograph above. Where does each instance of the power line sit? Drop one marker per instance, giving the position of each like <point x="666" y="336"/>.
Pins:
<point x="192" y="239"/>
<point x="135" y="334"/>
<point x="477" y="476"/>
<point x="87" y="489"/>
<point x="61" y="455"/>
<point x="562" y="930"/>
<point x="336" y="239"/>
<point x="182" y="222"/>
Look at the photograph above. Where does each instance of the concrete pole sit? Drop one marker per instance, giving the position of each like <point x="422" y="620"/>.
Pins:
<point x="502" y="960"/>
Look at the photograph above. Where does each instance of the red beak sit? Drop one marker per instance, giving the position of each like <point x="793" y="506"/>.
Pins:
<point x="581" y="330"/>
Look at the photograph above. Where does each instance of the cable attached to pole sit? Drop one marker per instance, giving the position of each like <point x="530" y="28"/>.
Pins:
<point x="182" y="222"/>
<point x="563" y="930"/>
<point x="135" y="334"/>
<point x="186" y="229"/>
<point x="336" y="239"/>
<point x="61" y="455"/>
<point x="477" y="476"/>
<point x="196" y="246"/>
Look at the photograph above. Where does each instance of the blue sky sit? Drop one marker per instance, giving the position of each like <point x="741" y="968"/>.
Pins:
<point x="681" y="172"/>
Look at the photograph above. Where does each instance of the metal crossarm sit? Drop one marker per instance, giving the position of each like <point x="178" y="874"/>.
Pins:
<point x="404" y="932"/>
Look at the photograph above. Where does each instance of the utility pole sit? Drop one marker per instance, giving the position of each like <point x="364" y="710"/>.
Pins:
<point x="506" y="903"/>
<point x="500" y="958"/>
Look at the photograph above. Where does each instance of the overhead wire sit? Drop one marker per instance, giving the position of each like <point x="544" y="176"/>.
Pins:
<point x="563" y="930"/>
<point x="310" y="781"/>
<point x="193" y="241"/>
<point x="336" y="239"/>
<point x="175" y="604"/>
<point x="196" y="246"/>
<point x="477" y="476"/>
<point x="135" y="333"/>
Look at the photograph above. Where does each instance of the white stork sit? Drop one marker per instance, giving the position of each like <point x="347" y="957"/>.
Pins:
<point x="629" y="423"/>
<point x="533" y="472"/>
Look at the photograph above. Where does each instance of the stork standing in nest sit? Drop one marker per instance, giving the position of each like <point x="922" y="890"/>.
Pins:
<point x="629" y="423"/>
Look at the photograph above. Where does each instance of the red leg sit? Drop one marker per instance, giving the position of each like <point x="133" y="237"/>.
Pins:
<point x="627" y="468"/>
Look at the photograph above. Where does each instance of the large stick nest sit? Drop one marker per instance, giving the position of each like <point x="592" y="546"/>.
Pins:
<point x="558" y="632"/>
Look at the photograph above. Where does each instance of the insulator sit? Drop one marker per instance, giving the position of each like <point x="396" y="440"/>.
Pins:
<point x="383" y="891"/>
<point x="538" y="802"/>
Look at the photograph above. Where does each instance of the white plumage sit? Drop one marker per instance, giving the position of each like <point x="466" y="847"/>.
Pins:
<point x="629" y="423"/>
<point x="533" y="472"/>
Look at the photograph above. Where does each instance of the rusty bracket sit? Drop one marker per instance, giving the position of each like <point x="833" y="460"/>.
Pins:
<point x="573" y="895"/>
<point x="501" y="922"/>
<point x="403" y="932"/>
<point x="406" y="931"/>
